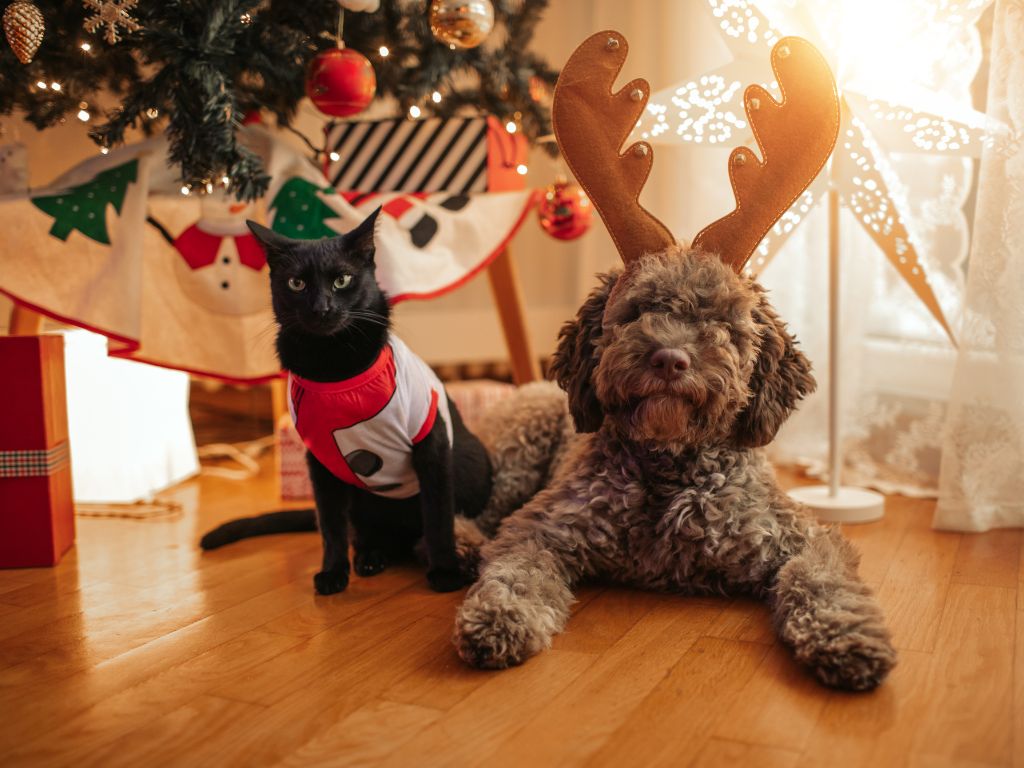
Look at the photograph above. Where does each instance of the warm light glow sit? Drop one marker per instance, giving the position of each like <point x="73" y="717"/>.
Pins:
<point x="83" y="115"/>
<point x="384" y="51"/>
<point x="55" y="86"/>
<point x="185" y="189"/>
<point x="436" y="97"/>
<point x="511" y="127"/>
<point x="152" y="113"/>
<point x="104" y="150"/>
<point x="86" y="47"/>
<point x="41" y="85"/>
<point x="225" y="180"/>
<point x="335" y="157"/>
<point x="209" y="187"/>
<point x="414" y="111"/>
<point x="521" y="169"/>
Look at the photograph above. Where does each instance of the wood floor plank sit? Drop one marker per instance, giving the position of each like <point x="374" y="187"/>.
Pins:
<point x="365" y="737"/>
<point x="343" y="686"/>
<point x="990" y="559"/>
<point x="492" y="712"/>
<point x="318" y="657"/>
<point x="970" y="712"/>
<point x="161" y="742"/>
<point x="746" y="620"/>
<point x="913" y="592"/>
<point x="676" y="719"/>
<point x="115" y="716"/>
<point x="600" y="622"/>
<point x="721" y="753"/>
<point x="872" y="729"/>
<point x="601" y="696"/>
<point x="59" y="697"/>
<point x="796" y="701"/>
<point x="1018" y="681"/>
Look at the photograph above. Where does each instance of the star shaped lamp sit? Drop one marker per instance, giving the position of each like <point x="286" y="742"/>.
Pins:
<point x="880" y="52"/>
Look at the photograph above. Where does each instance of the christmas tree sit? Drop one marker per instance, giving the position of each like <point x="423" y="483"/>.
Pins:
<point x="195" y="68"/>
<point x="299" y="211"/>
<point x="85" y="207"/>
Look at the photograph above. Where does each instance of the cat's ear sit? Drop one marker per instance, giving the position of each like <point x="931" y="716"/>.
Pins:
<point x="360" y="239"/>
<point x="274" y="245"/>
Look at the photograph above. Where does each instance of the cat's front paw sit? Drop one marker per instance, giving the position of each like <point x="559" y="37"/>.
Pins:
<point x="370" y="562"/>
<point x="330" y="582"/>
<point x="447" y="580"/>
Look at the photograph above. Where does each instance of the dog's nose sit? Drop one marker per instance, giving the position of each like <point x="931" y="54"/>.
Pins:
<point x="669" y="363"/>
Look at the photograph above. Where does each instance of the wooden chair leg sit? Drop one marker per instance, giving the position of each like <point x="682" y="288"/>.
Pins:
<point x="508" y="297"/>
<point x="24" y="322"/>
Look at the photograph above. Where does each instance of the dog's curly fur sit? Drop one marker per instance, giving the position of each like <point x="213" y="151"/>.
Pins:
<point x="664" y="488"/>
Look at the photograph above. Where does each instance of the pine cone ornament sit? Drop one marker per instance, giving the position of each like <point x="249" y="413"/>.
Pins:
<point x="23" y="27"/>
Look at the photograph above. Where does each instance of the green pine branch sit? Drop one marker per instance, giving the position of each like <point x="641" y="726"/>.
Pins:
<point x="202" y="68"/>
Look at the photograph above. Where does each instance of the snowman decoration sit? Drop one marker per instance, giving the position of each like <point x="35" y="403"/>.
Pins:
<point x="222" y="267"/>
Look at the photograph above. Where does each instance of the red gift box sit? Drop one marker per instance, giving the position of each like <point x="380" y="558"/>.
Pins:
<point x="37" y="513"/>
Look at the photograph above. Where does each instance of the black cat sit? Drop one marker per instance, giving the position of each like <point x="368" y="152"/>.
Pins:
<point x="389" y="452"/>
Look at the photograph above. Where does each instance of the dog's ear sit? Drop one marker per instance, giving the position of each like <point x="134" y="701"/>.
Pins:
<point x="781" y="378"/>
<point x="576" y="357"/>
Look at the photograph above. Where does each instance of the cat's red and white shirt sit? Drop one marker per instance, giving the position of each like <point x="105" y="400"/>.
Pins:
<point x="363" y="429"/>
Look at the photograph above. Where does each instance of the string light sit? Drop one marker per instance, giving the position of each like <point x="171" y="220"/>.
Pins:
<point x="85" y="47"/>
<point x="83" y="111"/>
<point x="104" y="150"/>
<point x="521" y="169"/>
<point x="246" y="18"/>
<point x="510" y="126"/>
<point x="41" y="85"/>
<point x="335" y="157"/>
<point x="186" y="189"/>
<point x="152" y="113"/>
<point x="226" y="181"/>
<point x="383" y="50"/>
<point x="436" y="97"/>
<point x="414" y="111"/>
<point x="55" y="86"/>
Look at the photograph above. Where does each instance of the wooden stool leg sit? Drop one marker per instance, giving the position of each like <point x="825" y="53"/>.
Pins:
<point x="509" y="298"/>
<point x="24" y="322"/>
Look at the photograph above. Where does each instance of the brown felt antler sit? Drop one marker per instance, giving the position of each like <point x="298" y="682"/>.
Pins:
<point x="795" y="137"/>
<point x="591" y="123"/>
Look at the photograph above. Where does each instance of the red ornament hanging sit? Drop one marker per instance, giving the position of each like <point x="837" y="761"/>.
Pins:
<point x="565" y="210"/>
<point x="341" y="82"/>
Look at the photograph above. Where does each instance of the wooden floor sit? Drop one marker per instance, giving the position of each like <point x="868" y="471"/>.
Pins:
<point x="140" y="650"/>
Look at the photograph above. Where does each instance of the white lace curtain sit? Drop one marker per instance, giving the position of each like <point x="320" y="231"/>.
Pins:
<point x="982" y="479"/>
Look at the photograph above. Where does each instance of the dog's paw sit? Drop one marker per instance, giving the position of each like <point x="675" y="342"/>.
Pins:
<point x="855" y="662"/>
<point x="495" y="634"/>
<point x="447" y="580"/>
<point x="330" y="582"/>
<point x="370" y="562"/>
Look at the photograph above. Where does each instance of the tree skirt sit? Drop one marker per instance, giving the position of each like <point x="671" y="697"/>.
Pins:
<point x="177" y="280"/>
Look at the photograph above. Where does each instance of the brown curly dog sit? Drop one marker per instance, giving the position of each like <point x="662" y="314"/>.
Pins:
<point x="674" y="380"/>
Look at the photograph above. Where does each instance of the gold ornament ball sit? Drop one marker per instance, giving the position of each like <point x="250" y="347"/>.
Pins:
<point x="461" y="23"/>
<point x="23" y="27"/>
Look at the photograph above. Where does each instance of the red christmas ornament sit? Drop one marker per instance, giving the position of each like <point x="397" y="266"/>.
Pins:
<point x="340" y="82"/>
<point x="564" y="211"/>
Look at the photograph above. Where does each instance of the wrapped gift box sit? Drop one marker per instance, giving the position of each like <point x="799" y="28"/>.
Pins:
<point x="472" y="398"/>
<point x="37" y="515"/>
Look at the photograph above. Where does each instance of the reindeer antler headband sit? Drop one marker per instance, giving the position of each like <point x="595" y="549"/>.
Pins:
<point x="795" y="137"/>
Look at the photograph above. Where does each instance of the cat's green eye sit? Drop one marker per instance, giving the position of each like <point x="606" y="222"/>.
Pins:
<point x="296" y="284"/>
<point x="342" y="282"/>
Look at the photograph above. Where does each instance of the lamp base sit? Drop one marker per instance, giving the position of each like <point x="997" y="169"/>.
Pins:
<point x="849" y="505"/>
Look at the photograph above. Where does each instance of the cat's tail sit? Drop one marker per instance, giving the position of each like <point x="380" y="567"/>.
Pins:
<point x="285" y="521"/>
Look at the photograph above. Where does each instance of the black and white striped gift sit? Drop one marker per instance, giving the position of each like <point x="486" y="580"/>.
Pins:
<point x="435" y="155"/>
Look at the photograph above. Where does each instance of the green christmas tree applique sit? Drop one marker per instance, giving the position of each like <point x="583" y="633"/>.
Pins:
<point x="299" y="211"/>
<point x="84" y="207"/>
